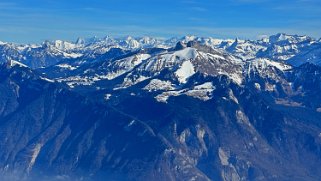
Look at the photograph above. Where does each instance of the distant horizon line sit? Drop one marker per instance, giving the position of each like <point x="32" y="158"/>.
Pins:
<point x="122" y="37"/>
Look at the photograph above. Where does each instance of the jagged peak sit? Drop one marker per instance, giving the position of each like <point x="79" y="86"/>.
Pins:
<point x="193" y="43"/>
<point x="179" y="46"/>
<point x="188" y="38"/>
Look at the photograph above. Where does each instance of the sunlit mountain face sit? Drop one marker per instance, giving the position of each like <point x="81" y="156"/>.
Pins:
<point x="190" y="108"/>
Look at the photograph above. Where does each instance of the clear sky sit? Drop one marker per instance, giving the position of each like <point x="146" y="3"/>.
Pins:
<point x="28" y="21"/>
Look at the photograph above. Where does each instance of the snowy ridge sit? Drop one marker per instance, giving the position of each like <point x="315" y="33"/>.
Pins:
<point x="140" y="61"/>
<point x="122" y="66"/>
<point x="279" y="47"/>
<point x="263" y="63"/>
<point x="181" y="64"/>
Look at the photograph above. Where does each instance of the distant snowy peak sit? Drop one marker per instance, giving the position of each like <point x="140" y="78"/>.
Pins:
<point x="283" y="47"/>
<point x="245" y="49"/>
<point x="307" y="55"/>
<point x="263" y="64"/>
<point x="127" y="42"/>
<point x="292" y="49"/>
<point x="64" y="45"/>
<point x="284" y="38"/>
<point x="184" y="69"/>
<point x="208" y="41"/>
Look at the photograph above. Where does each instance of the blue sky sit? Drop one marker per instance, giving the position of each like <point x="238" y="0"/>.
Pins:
<point x="28" y="21"/>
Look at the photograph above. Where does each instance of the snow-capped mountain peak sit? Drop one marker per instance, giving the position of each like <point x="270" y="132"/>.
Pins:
<point x="204" y="109"/>
<point x="279" y="47"/>
<point x="284" y="38"/>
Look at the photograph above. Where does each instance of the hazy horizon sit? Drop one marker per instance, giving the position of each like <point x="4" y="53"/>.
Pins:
<point x="160" y="38"/>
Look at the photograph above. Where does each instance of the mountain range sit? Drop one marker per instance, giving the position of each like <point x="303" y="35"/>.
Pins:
<point x="190" y="108"/>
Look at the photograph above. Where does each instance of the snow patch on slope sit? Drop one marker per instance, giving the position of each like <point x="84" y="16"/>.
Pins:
<point x="278" y="65"/>
<point x="16" y="63"/>
<point x="202" y="92"/>
<point x="157" y="84"/>
<point x="130" y="81"/>
<point x="187" y="53"/>
<point x="163" y="97"/>
<point x="123" y="66"/>
<point x="223" y="157"/>
<point x="261" y="64"/>
<point x="72" y="55"/>
<point x="66" y="66"/>
<point x="34" y="155"/>
<point x="185" y="71"/>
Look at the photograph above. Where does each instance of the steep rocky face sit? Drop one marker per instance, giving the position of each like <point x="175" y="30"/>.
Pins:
<point x="191" y="112"/>
<point x="51" y="131"/>
<point x="237" y="133"/>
